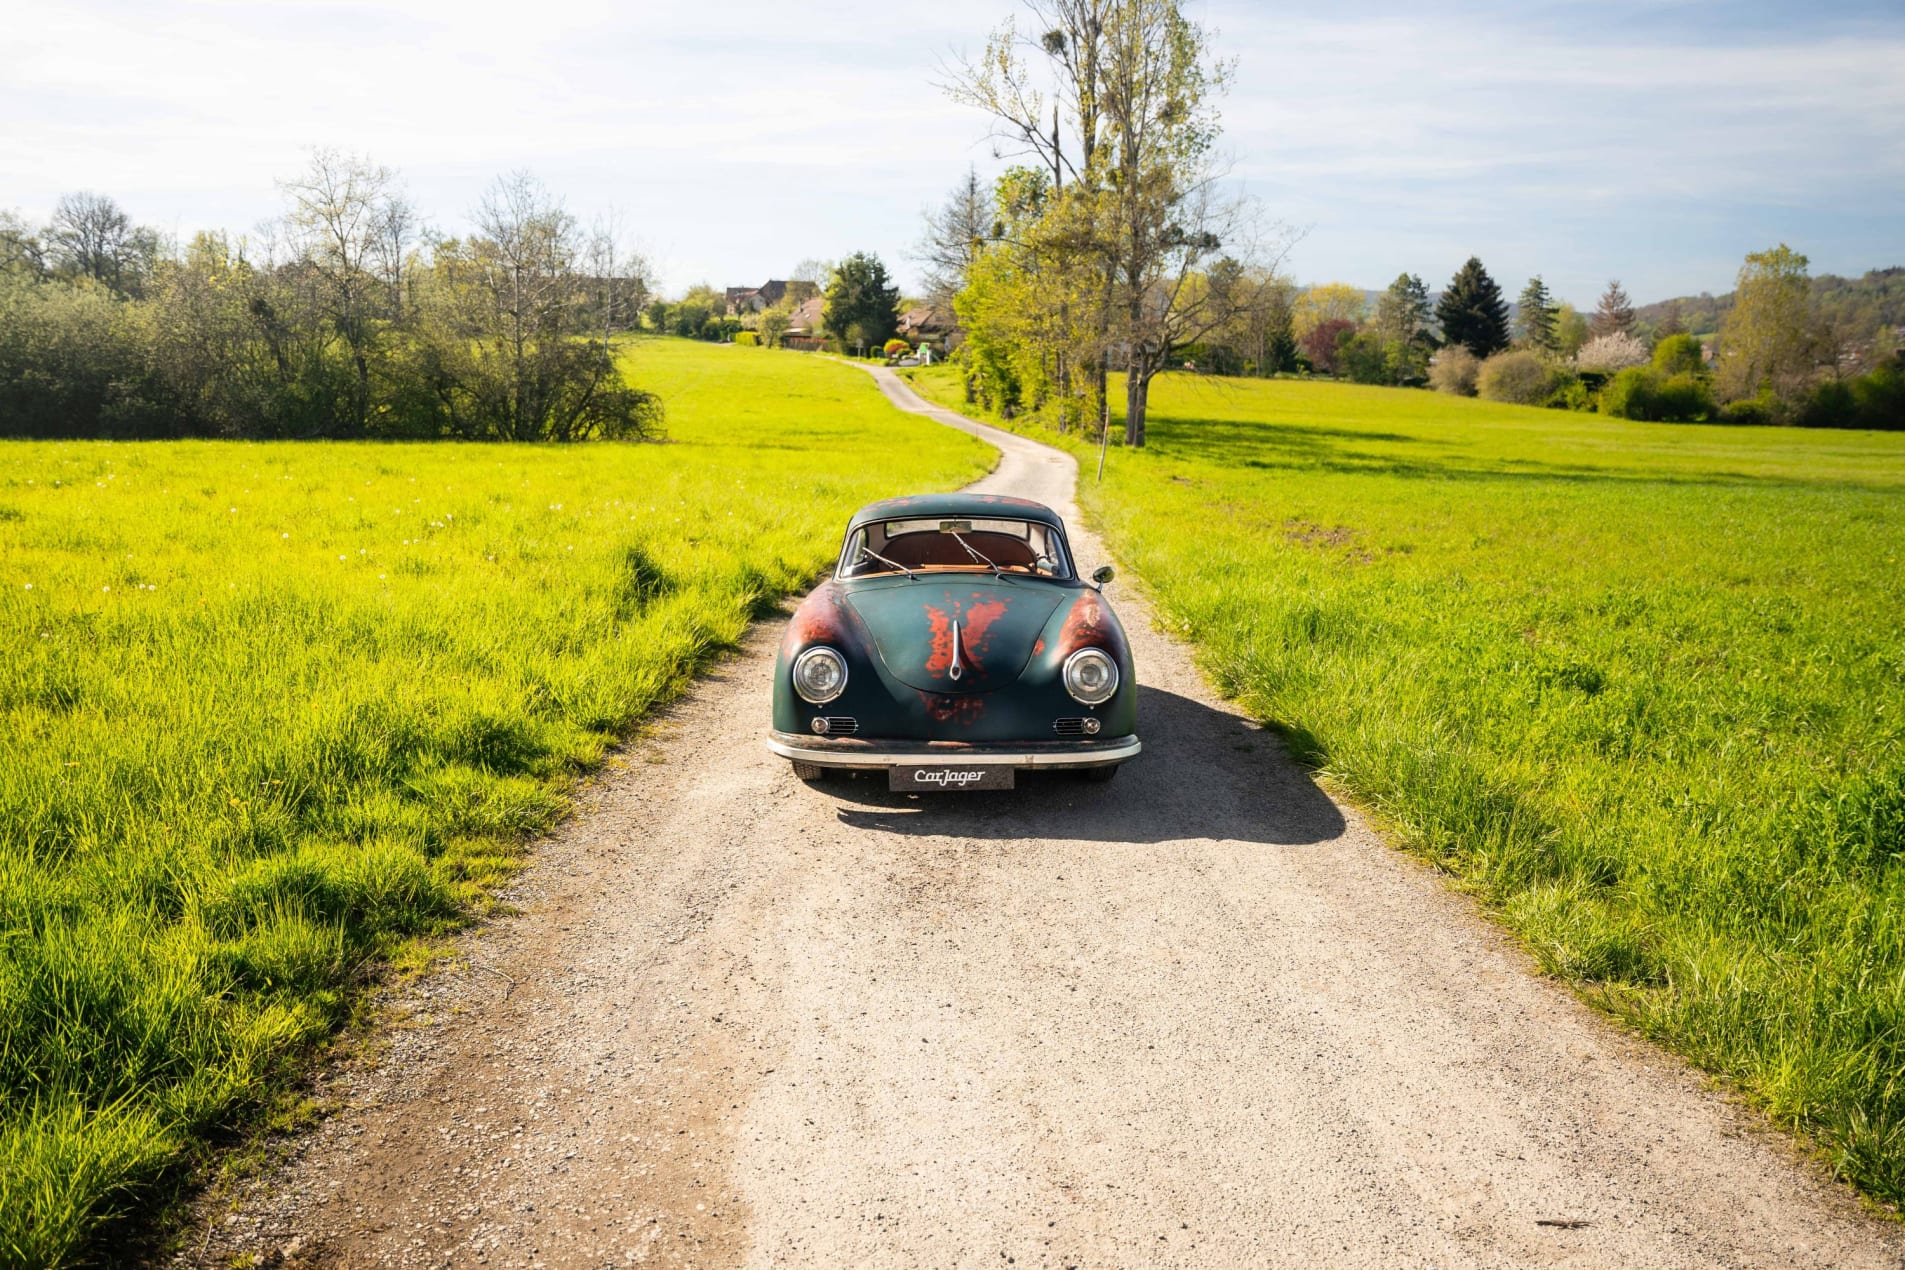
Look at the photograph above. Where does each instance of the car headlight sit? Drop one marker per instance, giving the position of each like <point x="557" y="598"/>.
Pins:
<point x="1091" y="676"/>
<point x="820" y="675"/>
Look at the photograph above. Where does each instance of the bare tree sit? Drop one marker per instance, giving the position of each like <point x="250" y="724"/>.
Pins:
<point x="621" y="277"/>
<point x="955" y="236"/>
<point x="91" y="236"/>
<point x="349" y="226"/>
<point x="511" y="364"/>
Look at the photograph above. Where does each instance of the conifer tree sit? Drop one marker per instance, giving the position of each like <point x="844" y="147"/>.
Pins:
<point x="1403" y="310"/>
<point x="1472" y="311"/>
<point x="1536" y="316"/>
<point x="1615" y="314"/>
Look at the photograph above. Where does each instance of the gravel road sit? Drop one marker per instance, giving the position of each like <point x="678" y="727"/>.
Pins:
<point x="1202" y="1016"/>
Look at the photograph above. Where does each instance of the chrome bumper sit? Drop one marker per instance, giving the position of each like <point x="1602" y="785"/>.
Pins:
<point x="869" y="755"/>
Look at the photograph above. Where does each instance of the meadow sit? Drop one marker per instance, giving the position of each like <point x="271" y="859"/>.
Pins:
<point x="1641" y="687"/>
<point x="272" y="713"/>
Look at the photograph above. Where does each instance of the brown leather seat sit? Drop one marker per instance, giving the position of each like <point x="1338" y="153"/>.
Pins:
<point x="929" y="550"/>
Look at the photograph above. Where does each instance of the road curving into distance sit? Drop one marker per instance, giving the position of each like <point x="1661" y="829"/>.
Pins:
<point x="1201" y="1016"/>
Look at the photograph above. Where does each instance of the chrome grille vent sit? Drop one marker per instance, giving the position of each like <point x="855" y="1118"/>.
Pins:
<point x="1075" y="727"/>
<point x="839" y="725"/>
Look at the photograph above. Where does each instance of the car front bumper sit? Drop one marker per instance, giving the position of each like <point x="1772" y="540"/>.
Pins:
<point x="869" y="755"/>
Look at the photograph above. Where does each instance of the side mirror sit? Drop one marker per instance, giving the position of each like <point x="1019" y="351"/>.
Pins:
<point x="1102" y="574"/>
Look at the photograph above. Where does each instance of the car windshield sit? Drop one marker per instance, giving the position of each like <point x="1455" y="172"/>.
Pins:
<point x="955" y="545"/>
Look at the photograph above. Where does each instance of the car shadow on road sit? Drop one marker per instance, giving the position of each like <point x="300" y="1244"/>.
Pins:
<point x="1203" y="774"/>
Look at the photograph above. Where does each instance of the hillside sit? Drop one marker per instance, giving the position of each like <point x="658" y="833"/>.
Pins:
<point x="1855" y="306"/>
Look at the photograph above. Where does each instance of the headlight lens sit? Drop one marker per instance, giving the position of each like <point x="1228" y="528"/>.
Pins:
<point x="820" y="675"/>
<point x="1091" y="676"/>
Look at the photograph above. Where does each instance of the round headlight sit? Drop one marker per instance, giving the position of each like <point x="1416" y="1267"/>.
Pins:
<point x="1091" y="676"/>
<point x="820" y="675"/>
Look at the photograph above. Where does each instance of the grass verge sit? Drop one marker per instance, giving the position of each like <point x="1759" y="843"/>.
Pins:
<point x="269" y="710"/>
<point x="1642" y="687"/>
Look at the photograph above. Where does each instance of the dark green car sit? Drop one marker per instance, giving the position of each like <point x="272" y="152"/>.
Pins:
<point x="954" y="646"/>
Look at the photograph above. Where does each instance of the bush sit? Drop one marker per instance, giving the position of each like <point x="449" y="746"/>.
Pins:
<point x="897" y="347"/>
<point x="1679" y="355"/>
<point x="1876" y="400"/>
<point x="1642" y="394"/>
<point x="1518" y="377"/>
<point x="1453" y="371"/>
<point x="1752" y="412"/>
<point x="1570" y="393"/>
<point x="747" y="339"/>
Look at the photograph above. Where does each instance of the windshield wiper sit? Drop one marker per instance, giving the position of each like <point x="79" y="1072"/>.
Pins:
<point x="974" y="553"/>
<point x="868" y="551"/>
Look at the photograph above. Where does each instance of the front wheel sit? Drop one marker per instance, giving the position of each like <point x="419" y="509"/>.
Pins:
<point x="812" y="773"/>
<point x="1102" y="775"/>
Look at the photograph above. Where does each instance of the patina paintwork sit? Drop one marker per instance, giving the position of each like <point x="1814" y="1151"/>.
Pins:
<point x="1006" y="636"/>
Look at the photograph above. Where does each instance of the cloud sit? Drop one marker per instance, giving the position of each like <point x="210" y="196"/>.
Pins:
<point x="1655" y="141"/>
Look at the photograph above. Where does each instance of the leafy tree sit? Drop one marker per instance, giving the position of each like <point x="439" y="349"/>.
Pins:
<point x="22" y="253"/>
<point x="1320" y="345"/>
<point x="1615" y="313"/>
<point x="1535" y="317"/>
<point x="1770" y="340"/>
<point x="1472" y="312"/>
<point x="1330" y="302"/>
<point x="1679" y="355"/>
<point x="862" y="303"/>
<point x="1402" y="312"/>
<point x="1363" y="358"/>
<point x="1130" y="157"/>
<point x="1570" y="330"/>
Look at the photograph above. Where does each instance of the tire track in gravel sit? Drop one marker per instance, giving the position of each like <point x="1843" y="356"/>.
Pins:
<point x="1202" y="1016"/>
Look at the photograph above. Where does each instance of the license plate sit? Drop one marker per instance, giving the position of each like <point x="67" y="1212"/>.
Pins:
<point x="949" y="776"/>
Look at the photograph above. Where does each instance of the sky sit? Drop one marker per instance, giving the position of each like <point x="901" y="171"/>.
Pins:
<point x="1653" y="142"/>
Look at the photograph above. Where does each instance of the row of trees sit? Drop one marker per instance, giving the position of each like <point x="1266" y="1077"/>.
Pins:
<point x="1775" y="358"/>
<point x="343" y="318"/>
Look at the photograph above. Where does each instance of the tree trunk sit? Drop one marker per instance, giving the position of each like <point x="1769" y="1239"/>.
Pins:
<point x="1137" y="399"/>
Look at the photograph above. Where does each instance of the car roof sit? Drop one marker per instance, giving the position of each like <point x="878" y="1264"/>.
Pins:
<point x="994" y="506"/>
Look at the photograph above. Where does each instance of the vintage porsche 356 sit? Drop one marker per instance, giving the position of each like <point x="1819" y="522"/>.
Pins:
<point x="954" y="646"/>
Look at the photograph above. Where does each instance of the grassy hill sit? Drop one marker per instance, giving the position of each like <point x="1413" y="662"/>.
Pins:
<point x="267" y="711"/>
<point x="1641" y="687"/>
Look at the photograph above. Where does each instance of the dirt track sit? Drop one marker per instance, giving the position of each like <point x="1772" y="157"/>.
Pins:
<point x="1199" y="1017"/>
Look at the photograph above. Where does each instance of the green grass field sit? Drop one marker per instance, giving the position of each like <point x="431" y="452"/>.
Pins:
<point x="267" y="711"/>
<point x="1641" y="686"/>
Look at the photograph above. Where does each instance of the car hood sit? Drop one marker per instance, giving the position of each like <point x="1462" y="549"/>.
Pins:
<point x="991" y="626"/>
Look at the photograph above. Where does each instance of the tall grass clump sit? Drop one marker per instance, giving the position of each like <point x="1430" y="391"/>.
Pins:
<point x="1641" y="687"/>
<point x="269" y="709"/>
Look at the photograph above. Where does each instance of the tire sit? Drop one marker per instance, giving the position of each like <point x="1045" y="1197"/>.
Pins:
<point x="1102" y="775"/>
<point x="812" y="773"/>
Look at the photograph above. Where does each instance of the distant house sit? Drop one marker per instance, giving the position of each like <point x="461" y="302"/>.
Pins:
<point x="804" y="325"/>
<point x="926" y="324"/>
<point x="745" y="300"/>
